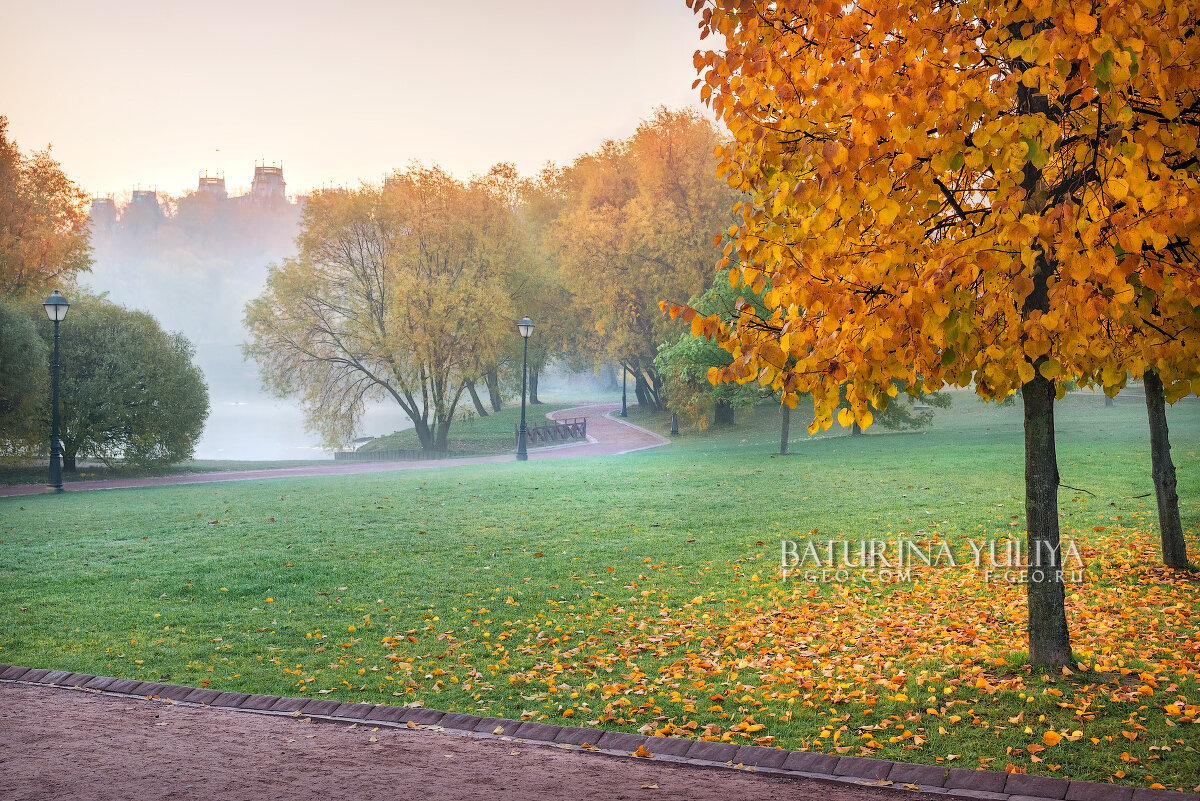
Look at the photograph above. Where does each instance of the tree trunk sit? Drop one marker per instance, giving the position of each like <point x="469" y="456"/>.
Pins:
<point x="723" y="413"/>
<point x="493" y="385"/>
<point x="533" y="382"/>
<point x="655" y="386"/>
<point x="785" y="430"/>
<point x="479" y="408"/>
<point x="1174" y="548"/>
<point x="442" y="437"/>
<point x="856" y="429"/>
<point x="1049" y="638"/>
<point x="642" y="391"/>
<point x="1108" y="402"/>
<point x="423" y="432"/>
<point x="69" y="453"/>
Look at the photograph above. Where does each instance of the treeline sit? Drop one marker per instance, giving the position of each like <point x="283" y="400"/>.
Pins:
<point x="409" y="290"/>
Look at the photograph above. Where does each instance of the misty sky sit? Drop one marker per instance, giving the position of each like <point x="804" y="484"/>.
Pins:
<point x="151" y="93"/>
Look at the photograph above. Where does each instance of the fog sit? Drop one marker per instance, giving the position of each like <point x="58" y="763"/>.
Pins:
<point x="193" y="262"/>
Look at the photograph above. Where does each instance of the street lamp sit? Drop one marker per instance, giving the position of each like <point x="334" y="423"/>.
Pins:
<point x="624" y="375"/>
<point x="526" y="329"/>
<point x="56" y="309"/>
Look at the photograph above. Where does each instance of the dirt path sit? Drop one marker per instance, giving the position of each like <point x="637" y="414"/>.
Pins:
<point x="606" y="436"/>
<point x="58" y="744"/>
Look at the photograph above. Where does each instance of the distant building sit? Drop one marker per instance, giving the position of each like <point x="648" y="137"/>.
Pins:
<point x="103" y="214"/>
<point x="145" y="199"/>
<point x="143" y="210"/>
<point x="268" y="183"/>
<point x="212" y="186"/>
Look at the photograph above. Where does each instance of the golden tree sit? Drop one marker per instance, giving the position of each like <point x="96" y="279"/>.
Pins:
<point x="636" y="225"/>
<point x="964" y="193"/>
<point x="397" y="293"/>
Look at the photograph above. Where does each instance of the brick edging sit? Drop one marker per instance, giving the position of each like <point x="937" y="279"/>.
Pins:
<point x="951" y="782"/>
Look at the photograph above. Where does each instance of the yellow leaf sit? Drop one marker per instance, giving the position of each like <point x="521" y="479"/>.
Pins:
<point x="1051" y="738"/>
<point x="1084" y="23"/>
<point x="641" y="752"/>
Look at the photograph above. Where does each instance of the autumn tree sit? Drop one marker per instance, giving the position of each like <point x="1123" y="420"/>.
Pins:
<point x="967" y="194"/>
<point x="397" y="292"/>
<point x="637" y="225"/>
<point x="43" y="223"/>
<point x="544" y="288"/>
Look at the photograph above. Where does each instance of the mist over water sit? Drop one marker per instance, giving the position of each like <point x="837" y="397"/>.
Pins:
<point x="193" y="263"/>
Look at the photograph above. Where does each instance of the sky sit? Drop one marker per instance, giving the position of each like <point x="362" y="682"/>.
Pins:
<point x="150" y="94"/>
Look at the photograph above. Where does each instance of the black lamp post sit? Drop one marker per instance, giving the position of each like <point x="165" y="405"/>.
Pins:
<point x="56" y="309"/>
<point x="624" y="376"/>
<point x="526" y="329"/>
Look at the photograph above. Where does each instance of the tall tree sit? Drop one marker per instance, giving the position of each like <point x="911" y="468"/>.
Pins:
<point x="962" y="193"/>
<point x="638" y="222"/>
<point x="396" y="293"/>
<point x="43" y="223"/>
<point x="130" y="390"/>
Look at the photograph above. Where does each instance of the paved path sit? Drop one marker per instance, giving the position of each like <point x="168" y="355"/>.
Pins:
<point x="72" y="745"/>
<point x="607" y="436"/>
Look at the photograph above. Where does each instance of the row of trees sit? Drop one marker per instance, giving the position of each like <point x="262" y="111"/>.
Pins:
<point x="129" y="390"/>
<point x="408" y="290"/>
<point x="965" y="194"/>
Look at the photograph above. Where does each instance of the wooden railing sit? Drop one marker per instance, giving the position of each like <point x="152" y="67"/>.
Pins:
<point x="395" y="455"/>
<point x="554" y="431"/>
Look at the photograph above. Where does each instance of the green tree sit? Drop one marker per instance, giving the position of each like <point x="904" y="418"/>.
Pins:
<point x="24" y="382"/>
<point x="684" y="365"/>
<point x="129" y="389"/>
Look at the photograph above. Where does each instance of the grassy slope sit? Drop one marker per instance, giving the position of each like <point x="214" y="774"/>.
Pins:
<point x="645" y="589"/>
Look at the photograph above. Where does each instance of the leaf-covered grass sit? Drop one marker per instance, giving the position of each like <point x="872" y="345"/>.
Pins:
<point x="39" y="473"/>
<point x="473" y="434"/>
<point x="644" y="591"/>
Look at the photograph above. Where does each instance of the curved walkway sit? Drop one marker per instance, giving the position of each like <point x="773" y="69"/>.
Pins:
<point x="607" y="436"/>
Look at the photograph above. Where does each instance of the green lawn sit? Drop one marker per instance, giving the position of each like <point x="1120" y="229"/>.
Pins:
<point x="473" y="434"/>
<point x="644" y="592"/>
